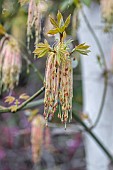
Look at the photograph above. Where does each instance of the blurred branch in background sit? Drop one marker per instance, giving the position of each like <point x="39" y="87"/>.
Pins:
<point x="24" y="103"/>
<point x="102" y="65"/>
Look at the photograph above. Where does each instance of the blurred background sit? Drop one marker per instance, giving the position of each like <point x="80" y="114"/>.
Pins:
<point x="56" y="148"/>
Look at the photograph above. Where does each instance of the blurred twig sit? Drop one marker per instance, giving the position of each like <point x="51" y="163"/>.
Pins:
<point x="102" y="102"/>
<point x="95" y="38"/>
<point x="8" y="109"/>
<point x="77" y="118"/>
<point x="29" y="62"/>
<point x="33" y="67"/>
<point x="105" y="75"/>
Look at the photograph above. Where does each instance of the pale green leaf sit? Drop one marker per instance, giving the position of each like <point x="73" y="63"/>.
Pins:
<point x="59" y="18"/>
<point x="14" y="108"/>
<point x="24" y="96"/>
<point x="53" y="22"/>
<point x="67" y="22"/>
<point x="54" y="31"/>
<point x="82" y="49"/>
<point x="43" y="53"/>
<point x="9" y="99"/>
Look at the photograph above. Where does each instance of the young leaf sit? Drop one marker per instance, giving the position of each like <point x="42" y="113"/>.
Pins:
<point x="53" y="22"/>
<point x="24" y="96"/>
<point x="43" y="53"/>
<point x="82" y="49"/>
<point x="14" y="108"/>
<point x="62" y="29"/>
<point x="54" y="31"/>
<point x="59" y="18"/>
<point x="9" y="99"/>
<point x="67" y="21"/>
<point x="16" y="102"/>
<point x="42" y="49"/>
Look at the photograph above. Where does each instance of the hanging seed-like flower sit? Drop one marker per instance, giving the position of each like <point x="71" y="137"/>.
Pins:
<point x="59" y="73"/>
<point x="10" y="62"/>
<point x="35" y="10"/>
<point x="37" y="129"/>
<point x="58" y="84"/>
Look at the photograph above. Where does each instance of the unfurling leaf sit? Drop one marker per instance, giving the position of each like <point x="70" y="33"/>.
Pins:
<point x="16" y="102"/>
<point x="59" y="18"/>
<point x="54" y="31"/>
<point x="53" y="22"/>
<point x="82" y="49"/>
<point x="2" y="30"/>
<point x="14" y="108"/>
<point x="42" y="49"/>
<point x="67" y="22"/>
<point x="9" y="99"/>
<point x="24" y="96"/>
<point x="59" y="26"/>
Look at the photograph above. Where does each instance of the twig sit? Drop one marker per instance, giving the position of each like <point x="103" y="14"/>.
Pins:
<point x="77" y="118"/>
<point x="105" y="67"/>
<point x="8" y="109"/>
<point x="95" y="38"/>
<point x="34" y="68"/>
<point x="102" y="102"/>
<point x="29" y="62"/>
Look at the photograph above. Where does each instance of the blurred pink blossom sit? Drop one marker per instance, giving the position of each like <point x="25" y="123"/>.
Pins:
<point x="10" y="62"/>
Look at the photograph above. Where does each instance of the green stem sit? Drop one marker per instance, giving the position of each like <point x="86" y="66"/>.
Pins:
<point x="77" y="118"/>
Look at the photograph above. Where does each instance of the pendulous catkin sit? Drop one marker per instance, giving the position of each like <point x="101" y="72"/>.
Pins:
<point x="10" y="62"/>
<point x="58" y="87"/>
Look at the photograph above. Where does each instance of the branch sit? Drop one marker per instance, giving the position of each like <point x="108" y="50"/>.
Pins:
<point x="29" y="62"/>
<point x="95" y="38"/>
<point x="93" y="136"/>
<point x="102" y="102"/>
<point x="8" y="109"/>
<point x="105" y="73"/>
<point x="34" y="68"/>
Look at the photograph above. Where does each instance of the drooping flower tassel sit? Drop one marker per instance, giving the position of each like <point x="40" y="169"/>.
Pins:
<point x="35" y="11"/>
<point x="10" y="62"/>
<point x="59" y="73"/>
<point x="58" y="87"/>
<point x="37" y="129"/>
